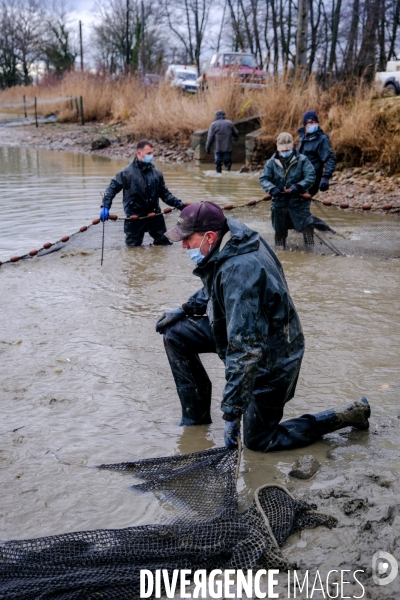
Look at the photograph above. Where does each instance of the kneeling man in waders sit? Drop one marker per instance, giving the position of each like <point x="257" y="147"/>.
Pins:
<point x="143" y="185"/>
<point x="245" y="314"/>
<point x="287" y="176"/>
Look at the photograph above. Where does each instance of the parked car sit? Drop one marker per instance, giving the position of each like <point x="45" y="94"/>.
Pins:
<point x="240" y="67"/>
<point x="389" y="81"/>
<point x="184" y="77"/>
<point x="152" y="80"/>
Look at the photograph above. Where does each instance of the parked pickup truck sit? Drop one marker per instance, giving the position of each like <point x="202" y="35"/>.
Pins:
<point x="388" y="81"/>
<point x="239" y="67"/>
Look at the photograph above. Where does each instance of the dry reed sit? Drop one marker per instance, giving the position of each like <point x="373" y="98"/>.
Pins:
<point x="362" y="128"/>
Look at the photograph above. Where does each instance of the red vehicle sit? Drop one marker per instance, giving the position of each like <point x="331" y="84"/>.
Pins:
<point x="240" y="67"/>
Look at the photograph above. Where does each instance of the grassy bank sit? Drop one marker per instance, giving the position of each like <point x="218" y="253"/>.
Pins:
<point x="362" y="128"/>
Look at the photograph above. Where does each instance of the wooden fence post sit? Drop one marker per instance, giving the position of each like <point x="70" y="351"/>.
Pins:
<point x="81" y="106"/>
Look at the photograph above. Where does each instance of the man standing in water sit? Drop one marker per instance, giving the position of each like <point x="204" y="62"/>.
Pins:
<point x="316" y="145"/>
<point x="245" y="314"/>
<point x="143" y="185"/>
<point x="220" y="135"/>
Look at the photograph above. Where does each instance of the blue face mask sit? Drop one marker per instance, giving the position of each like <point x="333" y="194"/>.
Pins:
<point x="286" y="154"/>
<point x="148" y="158"/>
<point x="195" y="253"/>
<point x="312" y="128"/>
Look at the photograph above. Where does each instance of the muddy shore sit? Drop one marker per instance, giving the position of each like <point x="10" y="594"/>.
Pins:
<point x="367" y="188"/>
<point x="358" y="480"/>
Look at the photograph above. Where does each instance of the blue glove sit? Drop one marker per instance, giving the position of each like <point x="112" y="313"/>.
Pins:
<point x="232" y="432"/>
<point x="324" y="185"/>
<point x="294" y="190"/>
<point x="104" y="213"/>
<point x="168" y="318"/>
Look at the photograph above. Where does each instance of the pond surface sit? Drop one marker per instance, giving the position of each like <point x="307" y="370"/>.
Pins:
<point x="84" y="377"/>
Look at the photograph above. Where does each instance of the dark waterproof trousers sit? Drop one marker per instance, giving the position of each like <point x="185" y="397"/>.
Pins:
<point x="262" y="429"/>
<point x="135" y="230"/>
<point x="223" y="158"/>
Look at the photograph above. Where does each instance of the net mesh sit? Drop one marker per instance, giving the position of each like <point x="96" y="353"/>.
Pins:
<point x="357" y="233"/>
<point x="206" y="531"/>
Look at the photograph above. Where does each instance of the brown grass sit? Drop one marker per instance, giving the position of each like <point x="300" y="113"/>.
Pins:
<point x="361" y="127"/>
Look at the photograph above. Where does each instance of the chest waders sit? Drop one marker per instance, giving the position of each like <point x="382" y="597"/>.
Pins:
<point x="282" y="217"/>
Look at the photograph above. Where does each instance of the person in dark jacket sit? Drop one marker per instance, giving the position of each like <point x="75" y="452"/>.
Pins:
<point x="286" y="176"/>
<point x="315" y="144"/>
<point x="221" y="133"/>
<point x="142" y="186"/>
<point x="245" y="314"/>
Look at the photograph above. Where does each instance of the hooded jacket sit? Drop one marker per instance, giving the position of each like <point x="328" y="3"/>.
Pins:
<point x="142" y="186"/>
<point x="252" y="316"/>
<point x="317" y="147"/>
<point x="221" y="133"/>
<point x="299" y="171"/>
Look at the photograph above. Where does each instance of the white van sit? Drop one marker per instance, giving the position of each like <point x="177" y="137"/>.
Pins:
<point x="184" y="77"/>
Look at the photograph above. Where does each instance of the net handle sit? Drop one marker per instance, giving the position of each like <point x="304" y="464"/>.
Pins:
<point x="261" y="510"/>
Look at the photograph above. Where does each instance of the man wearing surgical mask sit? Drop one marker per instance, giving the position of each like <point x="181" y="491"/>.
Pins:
<point x="287" y="175"/>
<point x="315" y="144"/>
<point x="142" y="186"/>
<point x="245" y="314"/>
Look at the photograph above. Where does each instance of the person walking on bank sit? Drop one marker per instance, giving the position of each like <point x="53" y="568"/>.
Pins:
<point x="221" y="133"/>
<point x="286" y="176"/>
<point x="315" y="144"/>
<point x="143" y="185"/>
<point x="244" y="313"/>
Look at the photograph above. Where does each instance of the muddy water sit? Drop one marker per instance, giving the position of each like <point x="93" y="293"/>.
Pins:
<point x="84" y="377"/>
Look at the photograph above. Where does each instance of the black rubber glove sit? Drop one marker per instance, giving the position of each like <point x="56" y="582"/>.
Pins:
<point x="168" y="318"/>
<point x="294" y="190"/>
<point x="324" y="184"/>
<point x="275" y="192"/>
<point x="232" y="433"/>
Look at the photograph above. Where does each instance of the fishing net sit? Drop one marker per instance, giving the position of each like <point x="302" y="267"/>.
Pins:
<point x="205" y="531"/>
<point x="355" y="232"/>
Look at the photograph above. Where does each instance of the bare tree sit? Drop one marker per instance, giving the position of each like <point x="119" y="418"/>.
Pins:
<point x="188" y="20"/>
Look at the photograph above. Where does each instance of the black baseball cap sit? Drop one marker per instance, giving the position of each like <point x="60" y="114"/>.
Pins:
<point x="197" y="217"/>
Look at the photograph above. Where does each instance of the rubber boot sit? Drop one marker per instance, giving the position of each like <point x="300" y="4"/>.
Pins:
<point x="228" y="166"/>
<point x="280" y="240"/>
<point x="162" y="241"/>
<point x="218" y="167"/>
<point x="195" y="404"/>
<point x="308" y="235"/>
<point x="354" y="415"/>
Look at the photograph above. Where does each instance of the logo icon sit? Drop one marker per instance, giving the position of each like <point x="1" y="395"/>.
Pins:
<point x="384" y="568"/>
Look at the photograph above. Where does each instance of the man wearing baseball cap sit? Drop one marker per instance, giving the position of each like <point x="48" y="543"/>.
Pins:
<point x="245" y="314"/>
<point x="287" y="176"/>
<point x="316" y="145"/>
